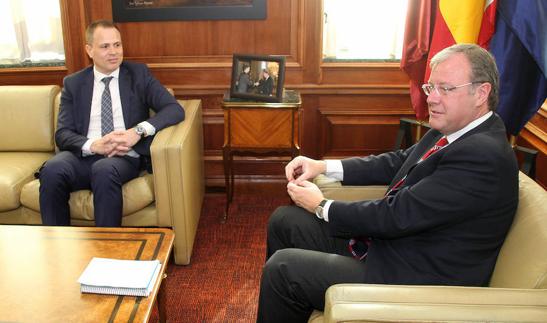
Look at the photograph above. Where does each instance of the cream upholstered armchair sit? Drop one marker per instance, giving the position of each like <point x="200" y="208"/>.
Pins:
<point x="170" y="197"/>
<point x="517" y="291"/>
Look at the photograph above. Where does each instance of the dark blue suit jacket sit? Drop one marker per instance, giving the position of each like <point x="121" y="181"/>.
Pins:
<point x="447" y="222"/>
<point x="139" y="92"/>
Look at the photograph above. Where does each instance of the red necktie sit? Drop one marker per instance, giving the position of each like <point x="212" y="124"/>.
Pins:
<point x="364" y="242"/>
<point x="440" y="144"/>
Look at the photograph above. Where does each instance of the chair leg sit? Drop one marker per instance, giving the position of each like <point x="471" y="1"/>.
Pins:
<point x="403" y="135"/>
<point x="528" y="165"/>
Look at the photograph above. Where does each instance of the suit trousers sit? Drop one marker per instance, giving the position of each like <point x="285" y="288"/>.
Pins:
<point x="67" y="172"/>
<point x="303" y="260"/>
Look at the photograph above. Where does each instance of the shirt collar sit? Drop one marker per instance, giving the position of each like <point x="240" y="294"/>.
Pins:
<point x="99" y="76"/>
<point x="472" y="125"/>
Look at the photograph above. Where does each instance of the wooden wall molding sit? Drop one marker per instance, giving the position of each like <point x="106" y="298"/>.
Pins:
<point x="535" y="131"/>
<point x="32" y="75"/>
<point x="534" y="135"/>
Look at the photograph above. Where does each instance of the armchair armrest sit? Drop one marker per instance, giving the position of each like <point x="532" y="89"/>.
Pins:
<point x="390" y="303"/>
<point x="177" y="161"/>
<point x="334" y="190"/>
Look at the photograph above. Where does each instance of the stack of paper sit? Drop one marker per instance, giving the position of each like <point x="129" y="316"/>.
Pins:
<point x="119" y="277"/>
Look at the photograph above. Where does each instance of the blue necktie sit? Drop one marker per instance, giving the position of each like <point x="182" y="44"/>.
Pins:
<point x="107" y="121"/>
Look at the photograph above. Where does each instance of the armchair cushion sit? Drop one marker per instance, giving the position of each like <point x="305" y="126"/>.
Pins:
<point x="17" y="169"/>
<point x="522" y="262"/>
<point x="334" y="190"/>
<point x="390" y="303"/>
<point x="27" y="117"/>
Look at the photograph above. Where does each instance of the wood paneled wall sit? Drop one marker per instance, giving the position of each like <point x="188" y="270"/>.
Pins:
<point x="534" y="135"/>
<point x="348" y="108"/>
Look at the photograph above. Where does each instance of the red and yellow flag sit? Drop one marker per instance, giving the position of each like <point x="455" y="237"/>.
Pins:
<point x="454" y="22"/>
<point x="462" y="21"/>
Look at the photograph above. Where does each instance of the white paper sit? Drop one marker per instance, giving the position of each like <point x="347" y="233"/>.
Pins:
<point x="120" y="273"/>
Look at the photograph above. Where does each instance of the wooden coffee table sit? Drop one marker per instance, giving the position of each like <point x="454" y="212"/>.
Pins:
<point x="40" y="266"/>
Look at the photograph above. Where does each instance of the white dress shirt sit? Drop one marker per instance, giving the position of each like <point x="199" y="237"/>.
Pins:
<point x="94" y="130"/>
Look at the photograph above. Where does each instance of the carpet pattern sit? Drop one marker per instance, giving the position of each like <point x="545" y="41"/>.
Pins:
<point x="222" y="281"/>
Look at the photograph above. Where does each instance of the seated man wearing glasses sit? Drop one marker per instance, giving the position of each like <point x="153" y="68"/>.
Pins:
<point x="451" y="200"/>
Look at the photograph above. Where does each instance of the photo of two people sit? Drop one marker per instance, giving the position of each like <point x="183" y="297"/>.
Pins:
<point x="258" y="77"/>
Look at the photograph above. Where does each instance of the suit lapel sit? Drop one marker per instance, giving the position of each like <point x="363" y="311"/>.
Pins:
<point x="411" y="162"/>
<point x="125" y="95"/>
<point x="87" y="95"/>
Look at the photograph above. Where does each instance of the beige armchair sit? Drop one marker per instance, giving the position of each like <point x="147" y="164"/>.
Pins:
<point x="518" y="287"/>
<point x="170" y="197"/>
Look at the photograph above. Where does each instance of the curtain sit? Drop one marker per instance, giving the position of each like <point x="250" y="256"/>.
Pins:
<point x="418" y="32"/>
<point x="31" y="31"/>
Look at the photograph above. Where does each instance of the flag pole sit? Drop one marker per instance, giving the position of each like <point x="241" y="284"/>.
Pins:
<point x="419" y="130"/>
<point x="513" y="141"/>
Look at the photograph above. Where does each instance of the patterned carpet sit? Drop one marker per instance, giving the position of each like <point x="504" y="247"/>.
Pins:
<point x="221" y="283"/>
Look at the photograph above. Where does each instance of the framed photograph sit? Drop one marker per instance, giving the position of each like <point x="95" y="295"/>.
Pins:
<point x="158" y="10"/>
<point x="258" y="77"/>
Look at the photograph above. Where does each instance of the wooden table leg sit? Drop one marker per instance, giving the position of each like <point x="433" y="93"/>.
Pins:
<point x="161" y="300"/>
<point x="231" y="177"/>
<point x="227" y="161"/>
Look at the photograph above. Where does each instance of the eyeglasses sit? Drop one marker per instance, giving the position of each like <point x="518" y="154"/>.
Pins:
<point x="443" y="90"/>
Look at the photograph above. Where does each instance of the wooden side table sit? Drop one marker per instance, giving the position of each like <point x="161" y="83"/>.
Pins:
<point x="258" y="128"/>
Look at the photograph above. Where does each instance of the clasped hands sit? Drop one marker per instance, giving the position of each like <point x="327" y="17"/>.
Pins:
<point x="116" y="143"/>
<point x="303" y="192"/>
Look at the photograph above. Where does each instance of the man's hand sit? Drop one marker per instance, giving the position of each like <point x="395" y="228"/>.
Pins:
<point x="116" y="143"/>
<point x="124" y="141"/>
<point x="303" y="168"/>
<point x="103" y="146"/>
<point x="306" y="195"/>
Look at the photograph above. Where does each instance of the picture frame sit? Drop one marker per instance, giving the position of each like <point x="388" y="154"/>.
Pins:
<point x="258" y="77"/>
<point x="165" y="10"/>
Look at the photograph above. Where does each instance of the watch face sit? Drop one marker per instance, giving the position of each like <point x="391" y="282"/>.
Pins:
<point x="139" y="130"/>
<point x="319" y="211"/>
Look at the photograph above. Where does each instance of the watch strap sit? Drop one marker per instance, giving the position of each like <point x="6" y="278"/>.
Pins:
<point x="323" y="202"/>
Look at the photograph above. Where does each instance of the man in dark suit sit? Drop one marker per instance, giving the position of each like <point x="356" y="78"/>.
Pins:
<point x="450" y="203"/>
<point x="244" y="82"/>
<point x="265" y="85"/>
<point x="104" y="129"/>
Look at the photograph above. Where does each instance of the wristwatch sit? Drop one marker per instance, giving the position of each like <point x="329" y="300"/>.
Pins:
<point x="319" y="209"/>
<point x="139" y="129"/>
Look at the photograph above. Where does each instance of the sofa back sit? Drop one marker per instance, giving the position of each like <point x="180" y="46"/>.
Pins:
<point x="27" y="115"/>
<point x="522" y="262"/>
